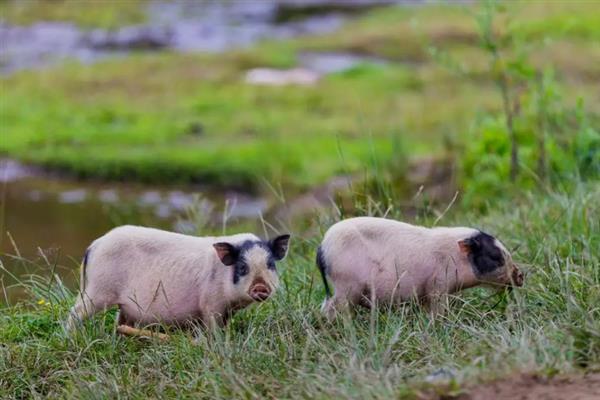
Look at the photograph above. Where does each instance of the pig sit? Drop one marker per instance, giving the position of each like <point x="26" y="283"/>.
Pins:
<point x="155" y="276"/>
<point x="385" y="261"/>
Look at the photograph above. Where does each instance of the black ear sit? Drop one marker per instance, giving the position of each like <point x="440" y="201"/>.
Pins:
<point x="227" y="253"/>
<point x="471" y="245"/>
<point x="466" y="245"/>
<point x="279" y="246"/>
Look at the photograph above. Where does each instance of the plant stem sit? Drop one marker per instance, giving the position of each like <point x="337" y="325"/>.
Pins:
<point x="508" y="114"/>
<point x="541" y="167"/>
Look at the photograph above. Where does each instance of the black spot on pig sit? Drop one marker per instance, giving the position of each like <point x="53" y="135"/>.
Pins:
<point x="84" y="263"/>
<point x="483" y="253"/>
<point x="279" y="246"/>
<point x="240" y="269"/>
<point x="322" y="266"/>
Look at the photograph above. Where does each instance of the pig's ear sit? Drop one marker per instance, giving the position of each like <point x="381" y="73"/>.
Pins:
<point x="468" y="245"/>
<point x="226" y="252"/>
<point x="279" y="246"/>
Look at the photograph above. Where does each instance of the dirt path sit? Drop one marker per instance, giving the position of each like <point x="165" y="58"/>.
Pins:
<point x="532" y="387"/>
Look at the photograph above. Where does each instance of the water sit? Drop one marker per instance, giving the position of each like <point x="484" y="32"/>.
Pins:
<point x="331" y="62"/>
<point x="206" y="26"/>
<point x="179" y="25"/>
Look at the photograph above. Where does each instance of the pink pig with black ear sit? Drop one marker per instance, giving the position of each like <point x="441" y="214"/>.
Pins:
<point x="492" y="262"/>
<point x="385" y="261"/>
<point x="165" y="277"/>
<point x="253" y="264"/>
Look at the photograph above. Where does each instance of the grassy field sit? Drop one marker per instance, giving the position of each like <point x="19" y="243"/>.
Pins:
<point x="184" y="118"/>
<point x="173" y="117"/>
<point x="284" y="349"/>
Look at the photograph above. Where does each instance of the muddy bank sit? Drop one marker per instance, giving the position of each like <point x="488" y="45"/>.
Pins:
<point x="289" y="10"/>
<point x="534" y="387"/>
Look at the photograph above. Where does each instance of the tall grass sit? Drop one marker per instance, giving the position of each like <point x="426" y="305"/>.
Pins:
<point x="285" y="349"/>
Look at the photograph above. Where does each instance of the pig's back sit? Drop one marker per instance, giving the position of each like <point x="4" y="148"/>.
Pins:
<point x="135" y="249"/>
<point x="374" y="236"/>
<point x="386" y="255"/>
<point x="134" y="244"/>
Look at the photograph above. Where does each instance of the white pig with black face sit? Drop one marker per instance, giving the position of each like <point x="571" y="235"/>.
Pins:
<point x="165" y="277"/>
<point x="375" y="259"/>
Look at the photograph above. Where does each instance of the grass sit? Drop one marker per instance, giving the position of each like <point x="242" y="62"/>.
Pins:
<point x="183" y="126"/>
<point x="173" y="118"/>
<point x="284" y="349"/>
<point x="108" y="14"/>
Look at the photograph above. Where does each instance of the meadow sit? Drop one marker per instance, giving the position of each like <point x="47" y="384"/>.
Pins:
<point x="285" y="349"/>
<point x="445" y="92"/>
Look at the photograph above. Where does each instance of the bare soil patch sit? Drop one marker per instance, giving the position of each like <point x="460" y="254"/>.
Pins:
<point x="530" y="387"/>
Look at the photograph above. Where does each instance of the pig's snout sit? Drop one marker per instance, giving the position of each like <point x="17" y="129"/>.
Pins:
<point x="259" y="291"/>
<point x="517" y="277"/>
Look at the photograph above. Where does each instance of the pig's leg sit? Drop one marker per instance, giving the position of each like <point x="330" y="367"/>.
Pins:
<point x="334" y="305"/>
<point x="341" y="301"/>
<point x="434" y="304"/>
<point x="120" y="319"/>
<point x="87" y="304"/>
<point x="436" y="299"/>
<point x="81" y="310"/>
<point x="212" y="321"/>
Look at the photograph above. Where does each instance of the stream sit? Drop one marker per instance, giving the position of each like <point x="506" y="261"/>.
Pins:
<point x="177" y="25"/>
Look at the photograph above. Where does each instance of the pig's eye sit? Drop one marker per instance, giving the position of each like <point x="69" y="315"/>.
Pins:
<point x="271" y="264"/>
<point x="242" y="269"/>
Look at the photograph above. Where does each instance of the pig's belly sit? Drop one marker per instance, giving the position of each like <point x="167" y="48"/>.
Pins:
<point x="392" y="287"/>
<point x="168" y="307"/>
